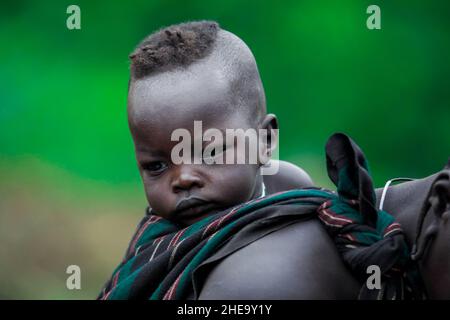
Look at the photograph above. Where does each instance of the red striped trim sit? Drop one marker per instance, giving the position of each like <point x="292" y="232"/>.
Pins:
<point x="116" y="278"/>
<point x="114" y="284"/>
<point x="156" y="246"/>
<point x="332" y="219"/>
<point x="171" y="292"/>
<point x="150" y="221"/>
<point x="209" y="226"/>
<point x="391" y="228"/>
<point x="217" y="223"/>
<point x="160" y="239"/>
<point x="176" y="238"/>
<point x="221" y="220"/>
<point x="348" y="236"/>
<point x="331" y="224"/>
<point x="105" y="297"/>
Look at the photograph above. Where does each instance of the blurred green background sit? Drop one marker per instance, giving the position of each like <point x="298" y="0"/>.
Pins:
<point x="70" y="192"/>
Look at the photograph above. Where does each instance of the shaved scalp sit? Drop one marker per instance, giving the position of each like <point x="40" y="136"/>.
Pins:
<point x="176" y="45"/>
<point x="178" y="48"/>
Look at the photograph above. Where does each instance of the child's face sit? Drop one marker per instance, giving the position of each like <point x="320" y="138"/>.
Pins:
<point x="160" y="104"/>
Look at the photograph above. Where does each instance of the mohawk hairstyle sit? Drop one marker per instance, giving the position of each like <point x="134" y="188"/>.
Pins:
<point x="176" y="45"/>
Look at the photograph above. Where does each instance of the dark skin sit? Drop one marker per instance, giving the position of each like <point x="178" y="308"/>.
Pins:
<point x="301" y="261"/>
<point x="311" y="267"/>
<point x="164" y="102"/>
<point x="434" y="241"/>
<point x="307" y="258"/>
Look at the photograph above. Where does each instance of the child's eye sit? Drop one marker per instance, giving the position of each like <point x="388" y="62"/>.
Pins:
<point x="154" y="167"/>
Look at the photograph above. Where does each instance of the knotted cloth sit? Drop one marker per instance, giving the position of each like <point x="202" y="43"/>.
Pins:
<point x="162" y="257"/>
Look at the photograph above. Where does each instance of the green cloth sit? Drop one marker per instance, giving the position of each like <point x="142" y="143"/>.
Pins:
<point x="161" y="257"/>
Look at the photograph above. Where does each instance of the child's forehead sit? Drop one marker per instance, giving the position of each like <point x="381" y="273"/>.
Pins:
<point x="152" y="126"/>
<point x="161" y="125"/>
<point x="180" y="97"/>
<point x="209" y="74"/>
<point x="160" y="104"/>
<point x="186" y="92"/>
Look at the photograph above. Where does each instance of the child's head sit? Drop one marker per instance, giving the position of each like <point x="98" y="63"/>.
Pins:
<point x="194" y="72"/>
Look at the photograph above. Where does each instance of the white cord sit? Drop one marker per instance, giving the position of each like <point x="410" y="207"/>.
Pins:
<point x="386" y="186"/>
<point x="263" y="193"/>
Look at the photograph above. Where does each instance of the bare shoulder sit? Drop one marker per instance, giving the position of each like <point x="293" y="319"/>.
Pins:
<point x="289" y="176"/>
<point x="296" y="262"/>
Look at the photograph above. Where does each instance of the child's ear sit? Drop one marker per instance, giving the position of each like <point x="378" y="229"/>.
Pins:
<point x="269" y="140"/>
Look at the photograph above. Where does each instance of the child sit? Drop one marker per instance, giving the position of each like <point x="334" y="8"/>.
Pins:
<point x="201" y="211"/>
<point x="190" y="72"/>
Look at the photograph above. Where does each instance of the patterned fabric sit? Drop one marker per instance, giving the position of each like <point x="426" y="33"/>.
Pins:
<point x="161" y="258"/>
<point x="363" y="235"/>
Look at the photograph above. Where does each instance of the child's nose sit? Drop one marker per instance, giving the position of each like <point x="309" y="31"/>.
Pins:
<point x="186" y="180"/>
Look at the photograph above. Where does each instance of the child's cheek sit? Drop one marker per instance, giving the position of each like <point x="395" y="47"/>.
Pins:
<point x="158" y="198"/>
<point x="238" y="182"/>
